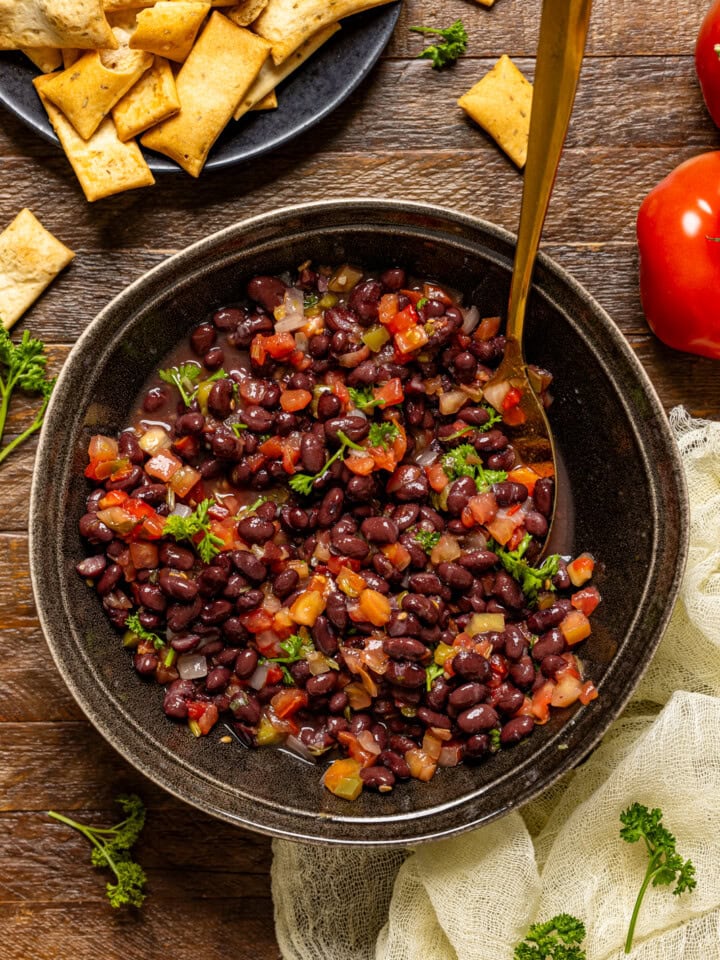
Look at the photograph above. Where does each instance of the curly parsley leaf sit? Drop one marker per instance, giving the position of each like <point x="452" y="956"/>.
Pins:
<point x="428" y="539"/>
<point x="531" y="579"/>
<point x="665" y="865"/>
<point x="364" y="398"/>
<point x="111" y="848"/>
<point x="383" y="434"/>
<point x="464" y="461"/>
<point x="188" y="528"/>
<point x="451" y="44"/>
<point x="432" y="672"/>
<point x="22" y="366"/>
<point x="133" y="624"/>
<point x="557" y="939"/>
<point x="184" y="378"/>
<point x="302" y="483"/>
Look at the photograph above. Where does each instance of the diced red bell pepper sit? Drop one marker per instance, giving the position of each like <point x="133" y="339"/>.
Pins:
<point x="586" y="600"/>
<point x="390" y="393"/>
<point x="410" y="340"/>
<point x="287" y="702"/>
<point x="293" y="400"/>
<point x="437" y="478"/>
<point x="387" y="308"/>
<point x="113" y="499"/>
<point x="163" y="466"/>
<point x="403" y="321"/>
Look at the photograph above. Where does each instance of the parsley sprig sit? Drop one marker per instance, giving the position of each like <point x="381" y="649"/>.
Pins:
<point x="428" y="539"/>
<point x="531" y="579"/>
<point x="133" y="624"/>
<point x="383" y="434"/>
<point x="464" y="461"/>
<point x="184" y="378"/>
<point x="665" y="866"/>
<point x="556" y="939"/>
<point x="187" y="528"/>
<point x="302" y="483"/>
<point x="111" y="848"/>
<point x="432" y="672"/>
<point x="24" y="368"/>
<point x="296" y="648"/>
<point x="364" y="398"/>
<point x="453" y="42"/>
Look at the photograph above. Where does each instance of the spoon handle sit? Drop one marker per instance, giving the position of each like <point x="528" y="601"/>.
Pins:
<point x="563" y="29"/>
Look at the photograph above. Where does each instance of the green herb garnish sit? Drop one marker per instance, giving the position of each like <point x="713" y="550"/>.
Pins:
<point x="296" y="648"/>
<point x="111" y="848"/>
<point x="494" y="736"/>
<point x="557" y="939"/>
<point x="665" y="867"/>
<point x="187" y="528"/>
<point x="364" y="398"/>
<point x="432" y="672"/>
<point x="302" y="483"/>
<point x="531" y="579"/>
<point x="453" y="42"/>
<point x="310" y="300"/>
<point x="423" y="300"/>
<point x="464" y="461"/>
<point x="383" y="434"/>
<point x="428" y="539"/>
<point x="184" y="377"/>
<point x="24" y="364"/>
<point x="133" y="624"/>
<point x="237" y="428"/>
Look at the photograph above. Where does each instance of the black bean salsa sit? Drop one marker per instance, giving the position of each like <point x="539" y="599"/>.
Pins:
<point x="316" y="531"/>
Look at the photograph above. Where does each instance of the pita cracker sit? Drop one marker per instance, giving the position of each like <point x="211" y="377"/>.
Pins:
<point x="46" y="59"/>
<point x="288" y="23"/>
<point x="113" y="5"/>
<point x="268" y="102"/>
<point x="152" y="99"/>
<point x="169" y="28"/>
<point x="70" y="56"/>
<point x="88" y="90"/>
<point x="104" y="165"/>
<point x="270" y="75"/>
<point x="215" y="77"/>
<point x="501" y="102"/>
<point x="54" y="23"/>
<point x="30" y="259"/>
<point x="244" y="13"/>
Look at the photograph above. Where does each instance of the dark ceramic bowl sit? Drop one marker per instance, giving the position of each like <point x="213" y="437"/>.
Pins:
<point x="628" y="507"/>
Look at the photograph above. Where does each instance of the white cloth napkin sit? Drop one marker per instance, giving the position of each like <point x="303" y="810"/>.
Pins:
<point x="473" y="897"/>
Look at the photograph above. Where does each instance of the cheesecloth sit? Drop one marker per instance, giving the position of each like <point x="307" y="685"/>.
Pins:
<point x="474" y="896"/>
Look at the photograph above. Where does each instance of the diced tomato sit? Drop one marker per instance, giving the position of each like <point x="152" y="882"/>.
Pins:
<point x="102" y="448"/>
<point x="184" y="480"/>
<point x="390" y="393"/>
<point x="588" y="692"/>
<point x="351" y="583"/>
<point x="102" y="469"/>
<point x="388" y="307"/>
<point x="225" y="530"/>
<point x="422" y="767"/>
<point x="293" y="400"/>
<point x="336" y="564"/>
<point x="483" y="507"/>
<point x="397" y="554"/>
<point x="567" y="691"/>
<point x="205" y="715"/>
<point x="113" y="499"/>
<point x="375" y="607"/>
<point x="487" y="328"/>
<point x="358" y="697"/>
<point x="502" y="527"/>
<point x="581" y="569"/>
<point x="299" y="360"/>
<point x="255" y="461"/>
<point x="575" y="627"/>
<point x="360" y="464"/>
<point x="410" y="340"/>
<point x="336" y="381"/>
<point x="144" y="555"/>
<point x="516" y="539"/>
<point x="256" y="621"/>
<point x="586" y="600"/>
<point x="541" y="702"/>
<point x="414" y="296"/>
<point x="356" y="750"/>
<point x="512" y="399"/>
<point x="526" y="476"/>
<point x="342" y="778"/>
<point x="287" y="702"/>
<point x="164" y="465"/>
<point x="272" y="447"/>
<point x="274" y="674"/>
<point x="407" y="319"/>
<point x="437" y="478"/>
<point x="279" y="345"/>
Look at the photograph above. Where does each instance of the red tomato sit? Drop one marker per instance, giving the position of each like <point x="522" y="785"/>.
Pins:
<point x="677" y="229"/>
<point x="707" y="62"/>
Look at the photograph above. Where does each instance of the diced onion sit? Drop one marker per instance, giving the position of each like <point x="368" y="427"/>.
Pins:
<point x="192" y="666"/>
<point x="257" y="680"/>
<point x="427" y="456"/>
<point x="181" y="510"/>
<point x="495" y="393"/>
<point x="451" y="402"/>
<point x="154" y="440"/>
<point x="355" y="358"/>
<point x="290" y="315"/>
<point x="302" y="342"/>
<point x="295" y="746"/>
<point x="368" y="742"/>
<point x="471" y="319"/>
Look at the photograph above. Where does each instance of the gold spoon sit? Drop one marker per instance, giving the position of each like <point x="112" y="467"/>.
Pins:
<point x="563" y="29"/>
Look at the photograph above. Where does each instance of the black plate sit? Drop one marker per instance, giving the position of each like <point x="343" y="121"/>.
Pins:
<point x="308" y="95"/>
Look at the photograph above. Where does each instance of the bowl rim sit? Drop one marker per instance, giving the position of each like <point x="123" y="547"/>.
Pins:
<point x="315" y="826"/>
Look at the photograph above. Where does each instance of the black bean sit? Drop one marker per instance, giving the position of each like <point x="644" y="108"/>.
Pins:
<point x="515" y="642"/>
<point x="227" y="318"/>
<point x="245" y="662"/>
<point x="477" y="745"/>
<point x="503" y="460"/>
<point x="312" y="453"/>
<point x="177" y="557"/>
<point x="245" y="707"/>
<point x="321" y="685"/>
<point x="92" y="567"/>
<point x="431" y="718"/>
<point x="129" y="447"/>
<point x="109" y="579"/>
<point x="255" y="529"/>
<point x="405" y="515"/>
<point x="475" y="416"/>
<point x="132" y="479"/>
<point x="408" y="483"/>
<point x="337" y="702"/>
<point x="551" y="665"/>
<point x="438" y="694"/>
<point x="360" y="489"/>
<point x="185" y="643"/>
<point x="324" y="636"/>
<point x="179" y="615"/>
<point x="350" y="546"/>
<point x="478" y="561"/>
<point x="432" y="517"/>
<point x="460" y="492"/>
<point x="551" y="643"/>
<point x="477" y="719"/>
<point x="177" y="586"/>
<point x="379" y="530"/>
<point x="401" y="743"/>
<point x="510" y="702"/>
<point x="269" y="292"/>
<point x="418" y="557"/>
<point x="212" y="580"/>
<point x="465" y="366"/>
<point x="249" y="565"/>
<point x="217" y="679"/>
<point x="396" y="763"/>
<point x="471" y="666"/>
<point x="491" y="441"/>
<point x="154" y="399"/>
<point x="378" y="778"/>
<point x="507" y="493"/>
<point x="151" y="596"/>
<point x="257" y="418"/>
<point x="285" y="582"/>
<point x="215" y="612"/>
<point x="360" y="722"/>
<point x="354" y="427"/>
<point x="455" y="576"/>
<point x="405" y="674"/>
<point x="154" y="493"/>
<point x="425" y="583"/>
<point x="331" y="507"/>
<point x="145" y="663"/>
<point x="202" y="338"/>
<point x="393" y="279"/>
<point x="404" y="648"/>
<point x="467" y="695"/>
<point x="515" y="730"/>
<point x="535" y="523"/>
<point x="364" y="299"/>
<point x="423" y="608"/>
<point x="403" y="625"/>
<point x="523" y="672"/>
<point x="220" y="398"/>
<point x="249" y="601"/>
<point x="329" y="406"/>
<point x="214" y="358"/>
<point x="544" y="495"/>
<point x="176" y="699"/>
<point x="507" y="590"/>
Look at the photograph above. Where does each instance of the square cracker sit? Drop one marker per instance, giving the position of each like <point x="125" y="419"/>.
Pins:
<point x="113" y="5"/>
<point x="288" y="23"/>
<point x="152" y="99"/>
<point x="88" y="90"/>
<point x="215" y="77"/>
<point x="30" y="258"/>
<point x="268" y="102"/>
<point x="244" y="13"/>
<point x="46" y="59"/>
<point x="104" y="165"/>
<point x="501" y="104"/>
<point x="270" y="75"/>
<point x="169" y="28"/>
<point x="54" y="23"/>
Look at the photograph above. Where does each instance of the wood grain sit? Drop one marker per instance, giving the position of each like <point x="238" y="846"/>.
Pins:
<point x="639" y="112"/>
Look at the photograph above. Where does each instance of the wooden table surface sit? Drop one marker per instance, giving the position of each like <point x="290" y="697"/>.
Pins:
<point x="639" y="112"/>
